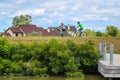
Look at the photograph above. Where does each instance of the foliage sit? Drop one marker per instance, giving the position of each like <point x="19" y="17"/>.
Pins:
<point x="22" y="19"/>
<point x="35" y="34"/>
<point x="75" y="74"/>
<point x="90" y="32"/>
<point x="87" y="56"/>
<point x="119" y="33"/>
<point x="98" y="33"/>
<point x="48" y="58"/>
<point x="112" y="30"/>
<point x="4" y="48"/>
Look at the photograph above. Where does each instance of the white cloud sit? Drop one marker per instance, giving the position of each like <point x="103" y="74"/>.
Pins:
<point x="77" y="19"/>
<point x="45" y="19"/>
<point x="62" y="8"/>
<point x="77" y="7"/>
<point x="37" y="12"/>
<point x="3" y="13"/>
<point x="58" y="5"/>
<point x="19" y="1"/>
<point x="101" y="11"/>
<point x="33" y="12"/>
<point x="57" y="14"/>
<point x="6" y="5"/>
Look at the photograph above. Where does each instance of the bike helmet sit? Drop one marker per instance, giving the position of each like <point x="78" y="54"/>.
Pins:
<point x="78" y="22"/>
<point x="62" y="24"/>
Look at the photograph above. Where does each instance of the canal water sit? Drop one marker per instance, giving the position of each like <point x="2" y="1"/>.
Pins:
<point x="87" y="77"/>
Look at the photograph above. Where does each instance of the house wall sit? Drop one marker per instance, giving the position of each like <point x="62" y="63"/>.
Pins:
<point x="22" y="32"/>
<point x="3" y="35"/>
<point x="18" y="34"/>
<point x="11" y="33"/>
<point x="14" y="34"/>
<point x="48" y="30"/>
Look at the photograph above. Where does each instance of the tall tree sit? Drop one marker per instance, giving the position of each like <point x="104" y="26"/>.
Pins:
<point x="22" y="19"/>
<point x="112" y="30"/>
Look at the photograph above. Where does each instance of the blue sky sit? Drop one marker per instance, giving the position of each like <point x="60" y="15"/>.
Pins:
<point x="93" y="14"/>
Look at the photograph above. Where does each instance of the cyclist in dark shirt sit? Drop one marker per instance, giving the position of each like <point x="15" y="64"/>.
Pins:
<point x="62" y="29"/>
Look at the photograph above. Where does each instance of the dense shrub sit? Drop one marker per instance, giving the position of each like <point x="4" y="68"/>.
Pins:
<point x="85" y="55"/>
<point x="4" y="48"/>
<point x="48" y="58"/>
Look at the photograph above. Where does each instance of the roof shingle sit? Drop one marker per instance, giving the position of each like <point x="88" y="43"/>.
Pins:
<point x="15" y="30"/>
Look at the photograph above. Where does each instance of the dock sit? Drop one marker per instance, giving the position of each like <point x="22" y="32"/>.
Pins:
<point x="110" y="70"/>
<point x="109" y="65"/>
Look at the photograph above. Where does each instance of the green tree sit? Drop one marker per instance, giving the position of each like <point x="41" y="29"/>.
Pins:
<point x="90" y="32"/>
<point x="98" y="33"/>
<point x="112" y="30"/>
<point x="22" y="19"/>
<point x="119" y="33"/>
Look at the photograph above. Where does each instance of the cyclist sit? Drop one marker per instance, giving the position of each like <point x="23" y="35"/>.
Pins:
<point x="80" y="27"/>
<point x="62" y="29"/>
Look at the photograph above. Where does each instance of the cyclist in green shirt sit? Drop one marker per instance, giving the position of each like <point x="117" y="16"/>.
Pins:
<point x="80" y="27"/>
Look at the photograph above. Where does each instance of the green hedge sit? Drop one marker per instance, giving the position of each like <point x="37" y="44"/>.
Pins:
<point x="48" y="58"/>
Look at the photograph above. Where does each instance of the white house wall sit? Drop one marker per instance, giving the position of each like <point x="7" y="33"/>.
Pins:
<point x="11" y="33"/>
<point x="22" y="32"/>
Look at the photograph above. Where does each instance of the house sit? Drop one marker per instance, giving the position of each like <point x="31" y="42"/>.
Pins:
<point x="53" y="31"/>
<point x="49" y="29"/>
<point x="70" y="30"/>
<point x="26" y="29"/>
<point x="30" y="29"/>
<point x="12" y="32"/>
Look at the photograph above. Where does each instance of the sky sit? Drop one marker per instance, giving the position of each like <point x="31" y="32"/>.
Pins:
<point x="93" y="14"/>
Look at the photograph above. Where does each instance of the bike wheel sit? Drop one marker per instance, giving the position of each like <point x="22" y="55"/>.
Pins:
<point x="84" y="34"/>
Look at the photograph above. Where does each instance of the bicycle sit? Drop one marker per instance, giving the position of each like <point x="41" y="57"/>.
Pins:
<point x="80" y="34"/>
<point x="61" y="32"/>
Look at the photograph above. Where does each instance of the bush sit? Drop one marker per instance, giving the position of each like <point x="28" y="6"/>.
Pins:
<point x="75" y="74"/>
<point x="53" y="58"/>
<point x="98" y="33"/>
<point x="87" y="56"/>
<point x="4" y="48"/>
<point x="112" y="30"/>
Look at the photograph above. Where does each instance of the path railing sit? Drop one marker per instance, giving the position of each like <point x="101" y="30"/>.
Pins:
<point x="103" y="50"/>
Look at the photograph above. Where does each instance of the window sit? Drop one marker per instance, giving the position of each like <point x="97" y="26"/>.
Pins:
<point x="16" y="34"/>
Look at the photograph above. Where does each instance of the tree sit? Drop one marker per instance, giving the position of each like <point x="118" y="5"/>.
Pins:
<point x="22" y="19"/>
<point x="98" y="33"/>
<point x="112" y="30"/>
<point x="90" y="32"/>
<point x="119" y="33"/>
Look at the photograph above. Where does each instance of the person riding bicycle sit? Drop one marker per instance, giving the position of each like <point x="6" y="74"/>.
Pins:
<point x="80" y="27"/>
<point x="61" y="29"/>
